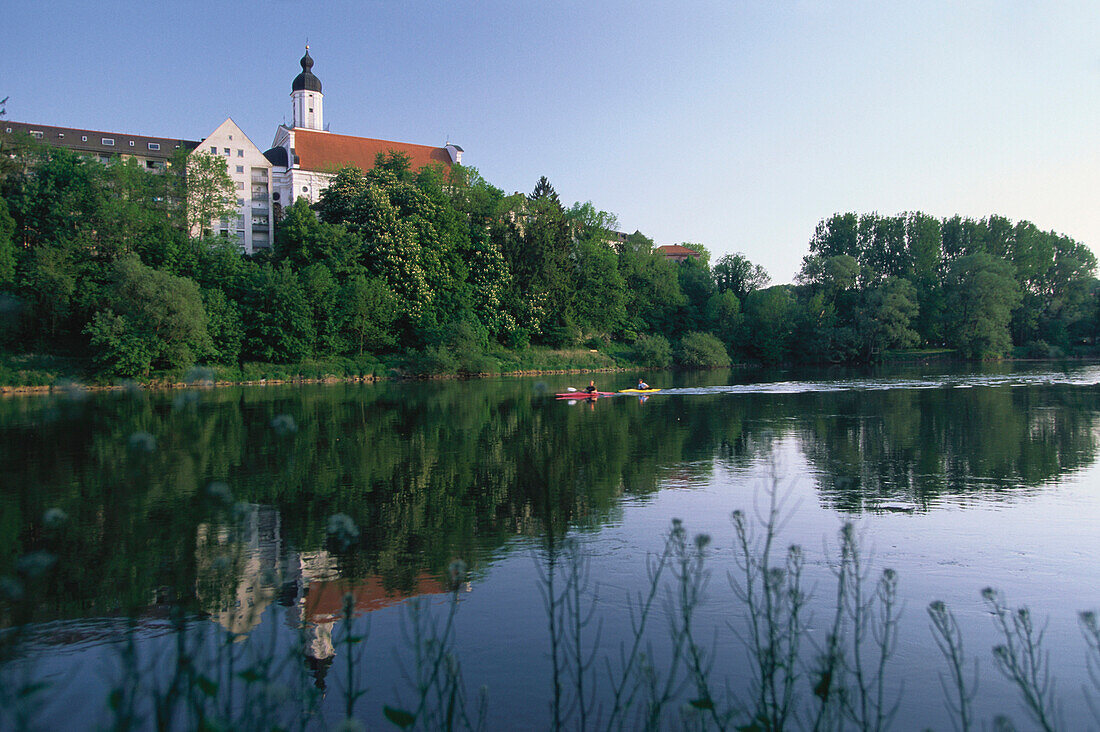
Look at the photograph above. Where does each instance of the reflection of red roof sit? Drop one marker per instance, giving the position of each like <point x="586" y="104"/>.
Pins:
<point x="324" y="151"/>
<point x="675" y="250"/>
<point x="324" y="601"/>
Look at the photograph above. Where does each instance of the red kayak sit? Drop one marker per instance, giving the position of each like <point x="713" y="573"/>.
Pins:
<point x="583" y="394"/>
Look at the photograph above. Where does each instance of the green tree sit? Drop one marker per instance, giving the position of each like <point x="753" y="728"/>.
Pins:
<point x="702" y="350"/>
<point x="303" y="239"/>
<point x="7" y="246"/>
<point x="320" y="290"/>
<point x="982" y="293"/>
<point x="652" y="285"/>
<point x="884" y="319"/>
<point x="734" y="272"/>
<point x="768" y="324"/>
<point x="278" y="320"/>
<point x="223" y="323"/>
<point x="723" y="316"/>
<point x="151" y="320"/>
<point x="697" y="285"/>
<point x="210" y="193"/>
<point x="365" y="312"/>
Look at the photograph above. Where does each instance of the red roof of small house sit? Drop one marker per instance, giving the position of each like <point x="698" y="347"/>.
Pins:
<point x="675" y="250"/>
<point x="324" y="151"/>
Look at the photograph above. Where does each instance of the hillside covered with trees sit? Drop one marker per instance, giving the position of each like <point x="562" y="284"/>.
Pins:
<point x="436" y="271"/>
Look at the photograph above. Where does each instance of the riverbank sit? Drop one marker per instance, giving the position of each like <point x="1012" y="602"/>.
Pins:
<point x="45" y="374"/>
<point x="37" y="374"/>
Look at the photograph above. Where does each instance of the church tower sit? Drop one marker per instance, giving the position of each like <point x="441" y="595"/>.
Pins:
<point x="306" y="97"/>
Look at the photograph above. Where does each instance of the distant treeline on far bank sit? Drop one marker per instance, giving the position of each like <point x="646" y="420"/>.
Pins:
<point x="432" y="272"/>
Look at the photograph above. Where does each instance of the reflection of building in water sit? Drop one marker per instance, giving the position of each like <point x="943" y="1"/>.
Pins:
<point x="315" y="591"/>
<point x="236" y="566"/>
<point x="239" y="564"/>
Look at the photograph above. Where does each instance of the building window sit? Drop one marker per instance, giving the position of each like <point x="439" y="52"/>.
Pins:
<point x="61" y="135"/>
<point x="240" y="168"/>
<point x="240" y="201"/>
<point x="36" y="134"/>
<point x="8" y="130"/>
<point x="213" y="150"/>
<point x="226" y="150"/>
<point x="305" y="189"/>
<point x="240" y="185"/>
<point x="131" y="143"/>
<point x="108" y="141"/>
<point x="83" y="138"/>
<point x="240" y="153"/>
<point x="154" y="146"/>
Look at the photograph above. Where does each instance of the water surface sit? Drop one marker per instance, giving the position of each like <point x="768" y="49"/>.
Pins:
<point x="958" y="481"/>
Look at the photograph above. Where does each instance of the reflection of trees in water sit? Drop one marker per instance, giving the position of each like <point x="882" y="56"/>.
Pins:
<point x="907" y="449"/>
<point x="443" y="470"/>
<point x="429" y="472"/>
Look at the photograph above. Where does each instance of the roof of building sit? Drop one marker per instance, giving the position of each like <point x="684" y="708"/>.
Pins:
<point x="277" y="156"/>
<point x="93" y="141"/>
<point x="306" y="80"/>
<point x="324" y="151"/>
<point x="675" y="250"/>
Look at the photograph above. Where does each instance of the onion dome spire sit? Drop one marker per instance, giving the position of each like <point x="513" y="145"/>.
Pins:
<point x="306" y="81"/>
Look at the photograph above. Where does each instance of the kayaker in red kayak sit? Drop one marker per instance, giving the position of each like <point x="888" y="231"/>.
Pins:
<point x="591" y="387"/>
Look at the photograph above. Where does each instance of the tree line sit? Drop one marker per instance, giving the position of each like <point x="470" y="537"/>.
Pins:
<point x="439" y="270"/>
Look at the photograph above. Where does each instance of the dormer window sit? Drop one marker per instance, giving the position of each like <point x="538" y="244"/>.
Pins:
<point x="108" y="141"/>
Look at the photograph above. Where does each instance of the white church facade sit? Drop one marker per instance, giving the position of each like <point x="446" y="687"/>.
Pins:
<point x="300" y="163"/>
<point x="305" y="155"/>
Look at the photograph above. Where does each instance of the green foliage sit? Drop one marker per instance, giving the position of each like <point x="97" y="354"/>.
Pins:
<point x="654" y="296"/>
<point x="653" y="351"/>
<point x="210" y="193"/>
<point x="734" y="272"/>
<point x="152" y="320"/>
<point x="981" y="296"/>
<point x="7" y="246"/>
<point x="278" y="319"/>
<point x="366" y="311"/>
<point x="768" y="324"/>
<point x="395" y="260"/>
<point x="702" y="351"/>
<point x="223" y="323"/>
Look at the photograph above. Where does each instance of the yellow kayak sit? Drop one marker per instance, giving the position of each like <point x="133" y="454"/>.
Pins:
<point x="638" y="391"/>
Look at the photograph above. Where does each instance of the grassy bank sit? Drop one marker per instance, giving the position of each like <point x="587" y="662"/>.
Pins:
<point x="33" y="372"/>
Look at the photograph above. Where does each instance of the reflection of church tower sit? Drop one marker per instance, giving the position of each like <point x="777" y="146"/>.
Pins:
<point x="306" y="97"/>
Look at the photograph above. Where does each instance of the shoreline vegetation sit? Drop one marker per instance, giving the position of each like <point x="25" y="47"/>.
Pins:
<point x="39" y="379"/>
<point x="436" y="272"/>
<point x="28" y="374"/>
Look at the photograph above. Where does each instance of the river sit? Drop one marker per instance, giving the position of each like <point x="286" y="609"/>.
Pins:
<point x="203" y="520"/>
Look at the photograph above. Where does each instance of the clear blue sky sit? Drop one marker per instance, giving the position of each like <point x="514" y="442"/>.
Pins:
<point x="734" y="124"/>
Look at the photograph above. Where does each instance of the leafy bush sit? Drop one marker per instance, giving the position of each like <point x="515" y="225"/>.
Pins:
<point x="653" y="351"/>
<point x="702" y="351"/>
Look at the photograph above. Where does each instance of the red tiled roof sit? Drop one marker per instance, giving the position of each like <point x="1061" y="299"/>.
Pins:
<point x="324" y="151"/>
<point x="675" y="250"/>
<point x="324" y="600"/>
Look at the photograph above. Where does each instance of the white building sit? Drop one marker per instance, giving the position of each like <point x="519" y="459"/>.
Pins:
<point x="250" y="172"/>
<point x="305" y="155"/>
